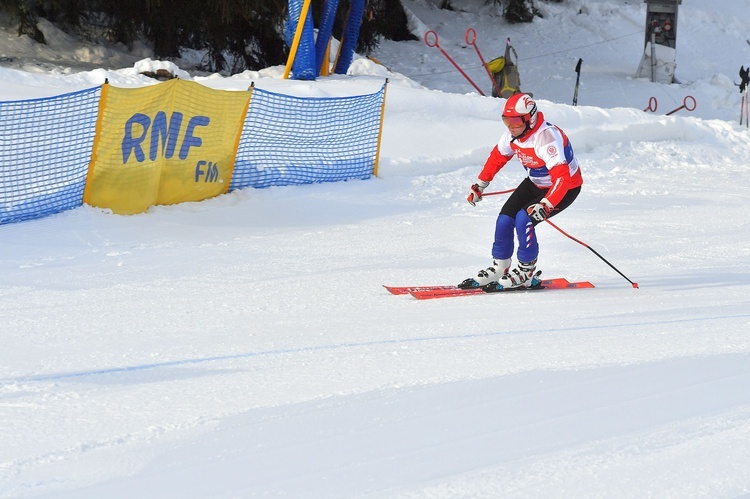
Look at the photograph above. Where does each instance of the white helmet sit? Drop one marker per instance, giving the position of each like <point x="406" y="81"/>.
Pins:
<point x="520" y="106"/>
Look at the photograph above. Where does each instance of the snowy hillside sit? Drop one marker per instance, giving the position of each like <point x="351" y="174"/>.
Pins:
<point x="244" y="346"/>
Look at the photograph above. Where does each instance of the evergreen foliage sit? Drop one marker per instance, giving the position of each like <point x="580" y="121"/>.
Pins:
<point x="518" y="11"/>
<point x="383" y="18"/>
<point x="236" y="34"/>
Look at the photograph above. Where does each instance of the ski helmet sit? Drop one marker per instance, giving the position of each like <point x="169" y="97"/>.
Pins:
<point x="523" y="107"/>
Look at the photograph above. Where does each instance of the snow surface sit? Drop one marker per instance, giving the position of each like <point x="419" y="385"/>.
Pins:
<point x="244" y="346"/>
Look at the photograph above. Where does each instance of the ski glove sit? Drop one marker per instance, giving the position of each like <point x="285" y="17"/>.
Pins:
<point x="475" y="193"/>
<point x="540" y="211"/>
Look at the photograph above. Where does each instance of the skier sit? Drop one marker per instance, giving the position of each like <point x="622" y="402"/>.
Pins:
<point x="552" y="183"/>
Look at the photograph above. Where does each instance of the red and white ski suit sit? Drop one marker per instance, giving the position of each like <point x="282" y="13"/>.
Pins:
<point x="547" y="155"/>
<point x="552" y="173"/>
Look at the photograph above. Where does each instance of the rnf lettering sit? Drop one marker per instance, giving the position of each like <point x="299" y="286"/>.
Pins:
<point x="166" y="134"/>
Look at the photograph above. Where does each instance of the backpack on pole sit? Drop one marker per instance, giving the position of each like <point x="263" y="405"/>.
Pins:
<point x="505" y="73"/>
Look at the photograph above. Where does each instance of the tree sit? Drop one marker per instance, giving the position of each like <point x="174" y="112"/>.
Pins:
<point x="382" y="18"/>
<point x="67" y="13"/>
<point x="519" y="11"/>
<point x="388" y="21"/>
<point x="236" y="34"/>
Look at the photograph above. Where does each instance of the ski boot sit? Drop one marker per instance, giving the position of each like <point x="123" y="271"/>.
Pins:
<point x="523" y="276"/>
<point x="486" y="276"/>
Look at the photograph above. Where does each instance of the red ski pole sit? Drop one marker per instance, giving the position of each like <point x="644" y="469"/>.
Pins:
<point x="497" y="192"/>
<point x="436" y="44"/>
<point x="471" y="39"/>
<point x="635" y="284"/>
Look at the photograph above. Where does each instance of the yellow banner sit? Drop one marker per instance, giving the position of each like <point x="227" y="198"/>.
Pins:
<point x="164" y="144"/>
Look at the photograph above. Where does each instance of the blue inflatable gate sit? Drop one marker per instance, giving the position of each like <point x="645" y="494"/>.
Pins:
<point x="308" y="55"/>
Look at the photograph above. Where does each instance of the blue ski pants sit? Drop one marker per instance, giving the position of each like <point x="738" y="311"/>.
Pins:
<point x="513" y="218"/>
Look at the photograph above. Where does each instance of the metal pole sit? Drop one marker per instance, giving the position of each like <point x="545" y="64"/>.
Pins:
<point x="653" y="56"/>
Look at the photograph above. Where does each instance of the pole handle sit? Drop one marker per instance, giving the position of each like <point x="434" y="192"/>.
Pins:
<point x="427" y="39"/>
<point x="685" y="105"/>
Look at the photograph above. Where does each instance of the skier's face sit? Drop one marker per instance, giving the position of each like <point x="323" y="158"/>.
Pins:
<point x="515" y="124"/>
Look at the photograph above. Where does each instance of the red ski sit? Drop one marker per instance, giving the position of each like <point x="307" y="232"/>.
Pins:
<point x="405" y="290"/>
<point x="428" y="292"/>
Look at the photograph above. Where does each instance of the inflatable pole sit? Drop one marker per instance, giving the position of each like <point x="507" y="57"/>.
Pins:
<point x="301" y="22"/>
<point x="350" y="37"/>
<point x="322" y="44"/>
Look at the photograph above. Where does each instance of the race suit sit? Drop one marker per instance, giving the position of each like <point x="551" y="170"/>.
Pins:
<point x="553" y="173"/>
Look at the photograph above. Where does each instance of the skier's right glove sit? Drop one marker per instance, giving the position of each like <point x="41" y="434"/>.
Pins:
<point x="475" y="193"/>
<point x="540" y="211"/>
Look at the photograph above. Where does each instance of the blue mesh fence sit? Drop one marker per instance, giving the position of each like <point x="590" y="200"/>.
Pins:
<point x="45" y="149"/>
<point x="300" y="140"/>
<point x="46" y="145"/>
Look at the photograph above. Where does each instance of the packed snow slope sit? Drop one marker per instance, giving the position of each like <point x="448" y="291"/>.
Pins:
<point x="244" y="346"/>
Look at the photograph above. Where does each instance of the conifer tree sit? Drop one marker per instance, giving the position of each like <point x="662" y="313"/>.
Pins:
<point x="236" y="34"/>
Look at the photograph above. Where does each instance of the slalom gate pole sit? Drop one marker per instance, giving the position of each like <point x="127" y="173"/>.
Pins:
<point x="471" y="39"/>
<point x="635" y="284"/>
<point x="653" y="104"/>
<point x="436" y="44"/>
<point x="578" y="79"/>
<point x="684" y="105"/>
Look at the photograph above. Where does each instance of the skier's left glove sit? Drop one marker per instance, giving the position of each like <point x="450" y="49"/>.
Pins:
<point x="475" y="192"/>
<point x="540" y="211"/>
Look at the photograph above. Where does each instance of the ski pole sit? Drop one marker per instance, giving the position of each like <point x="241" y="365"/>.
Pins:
<point x="684" y="105"/>
<point x="578" y="78"/>
<point x="436" y="44"/>
<point x="635" y="284"/>
<point x="652" y="105"/>
<point x="497" y="192"/>
<point x="744" y="81"/>
<point x="471" y="39"/>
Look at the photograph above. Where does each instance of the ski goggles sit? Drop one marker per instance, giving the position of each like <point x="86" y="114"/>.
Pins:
<point x="513" y="121"/>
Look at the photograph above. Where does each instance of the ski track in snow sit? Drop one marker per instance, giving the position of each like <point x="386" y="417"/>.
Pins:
<point x="340" y="346"/>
